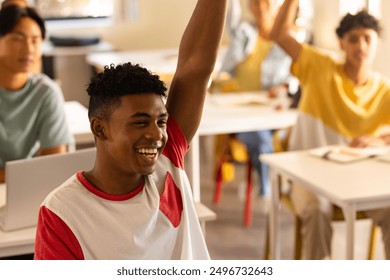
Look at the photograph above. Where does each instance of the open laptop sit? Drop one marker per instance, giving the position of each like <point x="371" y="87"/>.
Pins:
<point x="29" y="181"/>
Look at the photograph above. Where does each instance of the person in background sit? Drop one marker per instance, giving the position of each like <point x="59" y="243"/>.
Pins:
<point x="253" y="62"/>
<point x="7" y="3"/>
<point x="136" y="202"/>
<point x="22" y="3"/>
<point x="341" y="103"/>
<point x="32" y="116"/>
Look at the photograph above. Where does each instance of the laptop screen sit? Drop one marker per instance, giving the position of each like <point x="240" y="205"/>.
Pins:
<point x="29" y="181"/>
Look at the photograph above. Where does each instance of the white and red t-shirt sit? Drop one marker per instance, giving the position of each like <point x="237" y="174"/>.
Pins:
<point x="77" y="221"/>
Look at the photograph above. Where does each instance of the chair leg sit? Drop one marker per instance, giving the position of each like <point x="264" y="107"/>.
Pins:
<point x="298" y="239"/>
<point x="267" y="240"/>
<point x="298" y="226"/>
<point x="372" y="244"/>
<point x="248" y="199"/>
<point x="218" y="182"/>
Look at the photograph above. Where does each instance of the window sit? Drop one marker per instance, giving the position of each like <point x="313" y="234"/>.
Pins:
<point x="74" y="9"/>
<point x="353" y="6"/>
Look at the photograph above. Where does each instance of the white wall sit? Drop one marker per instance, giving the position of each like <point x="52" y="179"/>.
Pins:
<point x="382" y="62"/>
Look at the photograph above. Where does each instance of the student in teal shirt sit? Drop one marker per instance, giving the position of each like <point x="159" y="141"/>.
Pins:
<point x="32" y="116"/>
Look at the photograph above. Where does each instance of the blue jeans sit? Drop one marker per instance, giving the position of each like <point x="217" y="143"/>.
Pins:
<point x="258" y="143"/>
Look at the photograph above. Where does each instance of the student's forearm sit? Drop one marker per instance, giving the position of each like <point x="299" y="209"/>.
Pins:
<point x="281" y="30"/>
<point x="201" y="39"/>
<point x="266" y="18"/>
<point x="284" y="19"/>
<point x="197" y="55"/>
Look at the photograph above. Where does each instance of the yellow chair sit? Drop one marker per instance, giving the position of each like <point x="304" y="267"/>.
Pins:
<point x="228" y="152"/>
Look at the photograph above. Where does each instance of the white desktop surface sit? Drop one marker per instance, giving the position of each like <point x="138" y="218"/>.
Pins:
<point x="48" y="49"/>
<point x="78" y="122"/>
<point x="221" y="116"/>
<point x="356" y="186"/>
<point x="17" y="242"/>
<point x="161" y="61"/>
<point x="221" y="119"/>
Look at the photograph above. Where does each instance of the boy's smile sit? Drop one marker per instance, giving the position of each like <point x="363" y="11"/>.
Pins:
<point x="136" y="133"/>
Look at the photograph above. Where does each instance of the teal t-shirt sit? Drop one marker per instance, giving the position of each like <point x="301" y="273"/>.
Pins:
<point x="30" y="118"/>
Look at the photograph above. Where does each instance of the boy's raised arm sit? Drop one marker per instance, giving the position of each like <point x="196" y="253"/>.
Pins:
<point x="281" y="31"/>
<point x="197" y="55"/>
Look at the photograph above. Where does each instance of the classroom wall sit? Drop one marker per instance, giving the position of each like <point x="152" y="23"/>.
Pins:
<point x="382" y="61"/>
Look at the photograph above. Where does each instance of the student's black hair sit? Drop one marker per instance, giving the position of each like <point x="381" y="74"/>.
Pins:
<point x="361" y="19"/>
<point x="10" y="16"/>
<point x="106" y="88"/>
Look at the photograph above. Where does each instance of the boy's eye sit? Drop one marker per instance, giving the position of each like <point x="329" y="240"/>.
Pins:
<point x="140" y="123"/>
<point x="17" y="38"/>
<point x="162" y="122"/>
<point x="353" y="39"/>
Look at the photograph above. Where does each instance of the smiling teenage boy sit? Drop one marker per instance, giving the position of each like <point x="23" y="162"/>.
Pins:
<point x="136" y="202"/>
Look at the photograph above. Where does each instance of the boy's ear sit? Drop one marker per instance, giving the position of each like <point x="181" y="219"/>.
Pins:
<point x="98" y="128"/>
<point x="341" y="44"/>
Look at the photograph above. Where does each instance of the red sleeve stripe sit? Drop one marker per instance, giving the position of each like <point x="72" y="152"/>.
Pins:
<point x="177" y="145"/>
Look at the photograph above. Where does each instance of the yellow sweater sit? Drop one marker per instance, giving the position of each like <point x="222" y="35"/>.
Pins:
<point x="332" y="109"/>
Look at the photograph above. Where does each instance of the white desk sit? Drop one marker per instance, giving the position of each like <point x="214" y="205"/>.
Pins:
<point x="221" y="118"/>
<point x="48" y="49"/>
<point x="357" y="186"/>
<point x="19" y="242"/>
<point x="160" y="61"/>
<point x="78" y="122"/>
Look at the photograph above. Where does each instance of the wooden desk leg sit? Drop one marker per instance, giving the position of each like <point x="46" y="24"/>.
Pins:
<point x="203" y="226"/>
<point x="193" y="170"/>
<point x="274" y="216"/>
<point x="350" y="219"/>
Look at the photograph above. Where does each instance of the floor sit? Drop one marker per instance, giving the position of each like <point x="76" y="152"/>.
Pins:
<point x="227" y="238"/>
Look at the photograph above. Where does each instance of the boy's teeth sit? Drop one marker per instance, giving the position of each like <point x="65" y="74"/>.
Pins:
<point x="147" y="151"/>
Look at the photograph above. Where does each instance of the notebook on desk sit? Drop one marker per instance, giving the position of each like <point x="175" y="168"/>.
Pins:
<point x="29" y="181"/>
<point x="385" y="158"/>
<point x="346" y="154"/>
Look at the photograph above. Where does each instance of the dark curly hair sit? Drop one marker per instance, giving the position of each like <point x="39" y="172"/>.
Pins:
<point x="361" y="19"/>
<point x="10" y="16"/>
<point x="106" y="88"/>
